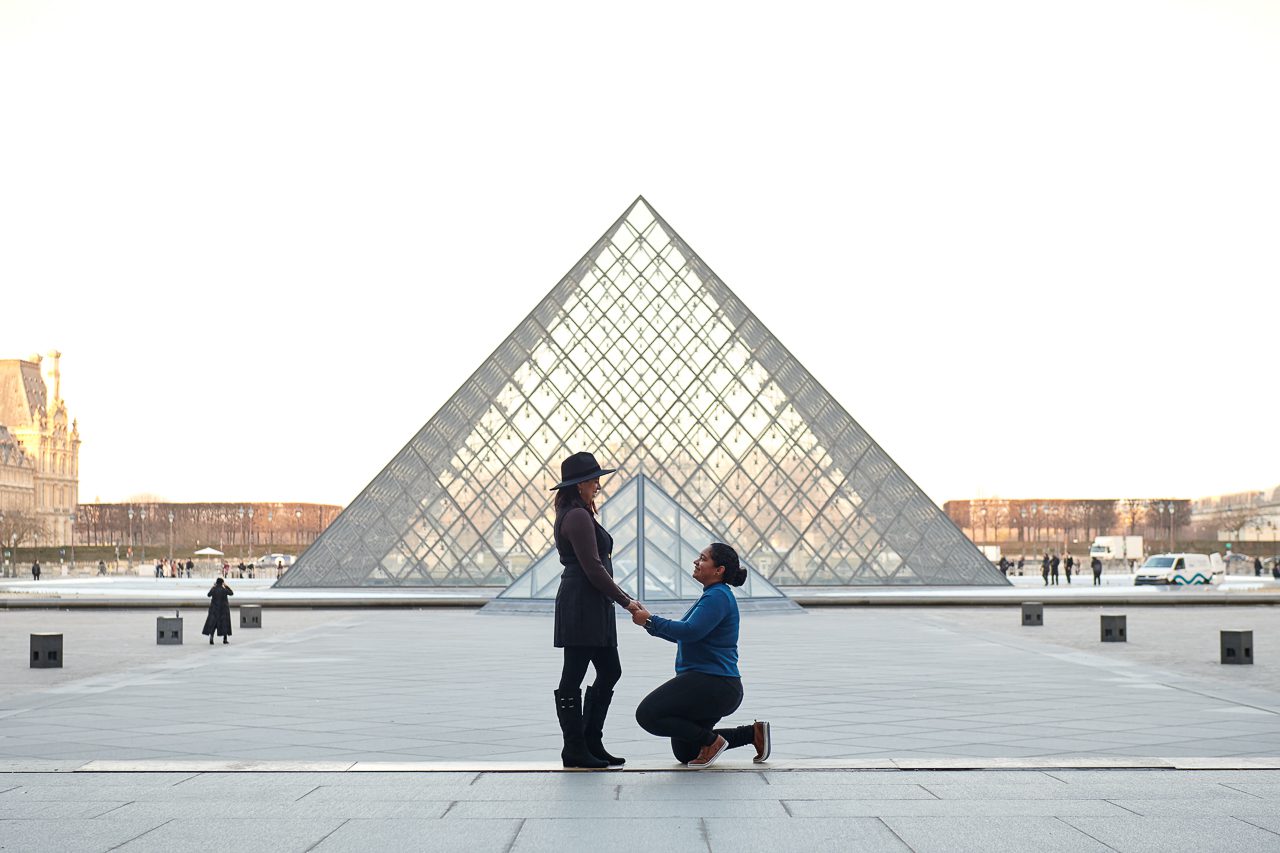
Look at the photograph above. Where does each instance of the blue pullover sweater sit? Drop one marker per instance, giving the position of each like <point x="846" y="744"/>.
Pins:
<point x="707" y="637"/>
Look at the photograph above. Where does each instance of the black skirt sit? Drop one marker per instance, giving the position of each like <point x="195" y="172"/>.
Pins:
<point x="584" y="615"/>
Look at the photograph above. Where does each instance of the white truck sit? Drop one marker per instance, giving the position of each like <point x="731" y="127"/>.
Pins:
<point x="1180" y="569"/>
<point x="1116" y="549"/>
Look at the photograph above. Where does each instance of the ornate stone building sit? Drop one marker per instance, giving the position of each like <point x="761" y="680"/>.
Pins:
<point x="39" y="437"/>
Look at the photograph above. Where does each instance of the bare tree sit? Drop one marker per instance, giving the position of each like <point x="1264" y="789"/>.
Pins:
<point x="19" y="528"/>
<point x="1237" y="520"/>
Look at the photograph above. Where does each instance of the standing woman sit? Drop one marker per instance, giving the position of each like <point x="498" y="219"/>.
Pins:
<point x="707" y="686"/>
<point x="585" y="624"/>
<point x="219" y="618"/>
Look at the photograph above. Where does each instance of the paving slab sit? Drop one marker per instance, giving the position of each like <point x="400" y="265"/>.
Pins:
<point x="949" y="808"/>
<point x="677" y="835"/>
<point x="991" y="835"/>
<point x="836" y="835"/>
<point x="1174" y="834"/>
<point x="70" y="836"/>
<point x="232" y="833"/>
<point x="478" y="836"/>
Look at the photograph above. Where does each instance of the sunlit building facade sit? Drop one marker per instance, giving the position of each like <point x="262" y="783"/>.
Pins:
<point x="36" y="419"/>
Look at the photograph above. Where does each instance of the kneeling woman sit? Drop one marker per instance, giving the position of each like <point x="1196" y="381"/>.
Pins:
<point x="707" y="686"/>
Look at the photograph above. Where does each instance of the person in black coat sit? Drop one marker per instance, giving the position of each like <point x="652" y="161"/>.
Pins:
<point x="585" y="625"/>
<point x="219" y="619"/>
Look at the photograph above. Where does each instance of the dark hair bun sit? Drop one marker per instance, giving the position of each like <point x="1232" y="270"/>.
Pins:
<point x="723" y="555"/>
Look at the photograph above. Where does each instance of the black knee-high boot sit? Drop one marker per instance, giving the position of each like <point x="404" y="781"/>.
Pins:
<point x="595" y="707"/>
<point x="575" y="752"/>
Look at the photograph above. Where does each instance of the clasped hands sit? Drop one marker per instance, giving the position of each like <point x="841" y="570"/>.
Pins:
<point x="638" y="614"/>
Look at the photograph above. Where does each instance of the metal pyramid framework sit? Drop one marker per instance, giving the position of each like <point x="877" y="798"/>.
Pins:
<point x="655" y="541"/>
<point x="642" y="355"/>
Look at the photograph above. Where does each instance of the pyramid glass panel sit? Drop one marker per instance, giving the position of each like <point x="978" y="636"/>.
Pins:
<point x="643" y="356"/>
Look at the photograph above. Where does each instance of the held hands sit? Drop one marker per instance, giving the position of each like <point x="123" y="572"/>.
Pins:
<point x="634" y="605"/>
<point x="640" y="615"/>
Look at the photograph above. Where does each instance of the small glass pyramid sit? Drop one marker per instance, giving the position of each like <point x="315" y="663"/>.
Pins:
<point x="654" y="543"/>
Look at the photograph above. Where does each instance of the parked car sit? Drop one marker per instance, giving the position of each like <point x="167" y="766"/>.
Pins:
<point x="1180" y="569"/>
<point x="1238" y="564"/>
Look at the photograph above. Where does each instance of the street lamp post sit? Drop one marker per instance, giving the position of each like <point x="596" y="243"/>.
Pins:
<point x="297" y="528"/>
<point x="129" y="549"/>
<point x="1171" y="509"/>
<point x="270" y="531"/>
<point x="250" y="534"/>
<point x="72" y="519"/>
<point x="171" y="535"/>
<point x="984" y="524"/>
<point x="142" y="525"/>
<point x="241" y="513"/>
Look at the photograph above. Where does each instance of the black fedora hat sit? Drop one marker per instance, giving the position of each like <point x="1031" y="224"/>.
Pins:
<point x="579" y="468"/>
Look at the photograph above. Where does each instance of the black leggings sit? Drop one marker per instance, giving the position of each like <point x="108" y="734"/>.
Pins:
<point x="686" y="707"/>
<point x="576" y="658"/>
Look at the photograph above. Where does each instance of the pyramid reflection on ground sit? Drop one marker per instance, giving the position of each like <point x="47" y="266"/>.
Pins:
<point x="655" y="541"/>
<point x="643" y="356"/>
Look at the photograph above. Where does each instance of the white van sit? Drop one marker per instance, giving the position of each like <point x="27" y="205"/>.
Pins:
<point x="1181" y="569"/>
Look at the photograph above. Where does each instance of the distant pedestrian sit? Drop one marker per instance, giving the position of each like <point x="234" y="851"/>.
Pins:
<point x="1069" y="564"/>
<point x="1004" y="565"/>
<point x="1053" y="569"/>
<point x="240" y="568"/>
<point x="35" y="570"/>
<point x="190" y="566"/>
<point x="102" y="568"/>
<point x="1096" y="565"/>
<point x="159" y="568"/>
<point x="279" y="569"/>
<point x="1021" y="563"/>
<point x="219" y="619"/>
<point x="1257" y="567"/>
<point x="1044" y="568"/>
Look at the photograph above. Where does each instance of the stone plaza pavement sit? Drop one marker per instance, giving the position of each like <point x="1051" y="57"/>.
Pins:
<point x="434" y="729"/>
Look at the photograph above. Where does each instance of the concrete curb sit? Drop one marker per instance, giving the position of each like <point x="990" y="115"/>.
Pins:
<point x="737" y="766"/>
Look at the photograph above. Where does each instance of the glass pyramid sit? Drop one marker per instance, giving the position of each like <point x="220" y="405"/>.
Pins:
<point x="654" y="543"/>
<point x="643" y="356"/>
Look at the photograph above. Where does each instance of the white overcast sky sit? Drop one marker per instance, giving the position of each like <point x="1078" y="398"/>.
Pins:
<point x="1031" y="247"/>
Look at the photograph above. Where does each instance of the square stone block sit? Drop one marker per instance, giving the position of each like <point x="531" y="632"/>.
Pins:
<point x="250" y="616"/>
<point x="1114" y="629"/>
<point x="1032" y="613"/>
<point x="168" y="630"/>
<point x="46" y="651"/>
<point x="1237" y="646"/>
